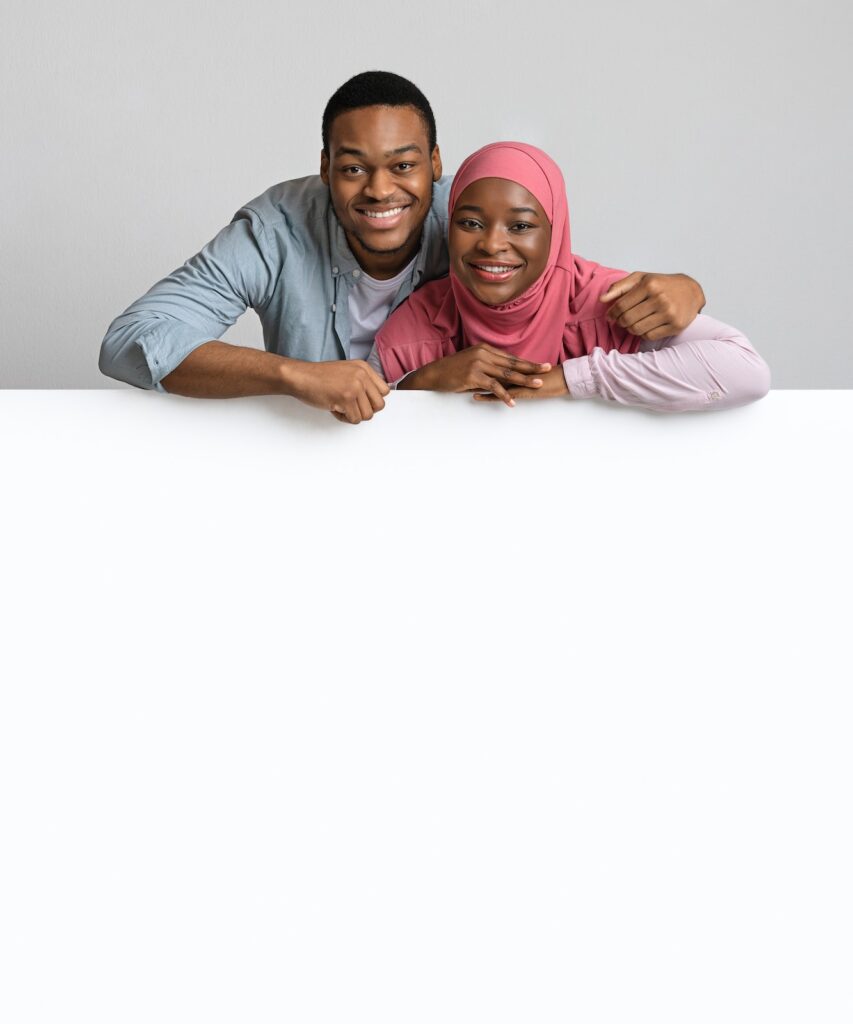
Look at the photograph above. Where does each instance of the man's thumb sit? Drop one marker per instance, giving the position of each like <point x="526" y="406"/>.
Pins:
<point x="618" y="288"/>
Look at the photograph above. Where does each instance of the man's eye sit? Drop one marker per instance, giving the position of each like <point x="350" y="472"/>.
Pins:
<point x="405" y="167"/>
<point x="350" y="171"/>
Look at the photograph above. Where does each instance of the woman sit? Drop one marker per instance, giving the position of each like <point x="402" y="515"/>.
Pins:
<point x="520" y="316"/>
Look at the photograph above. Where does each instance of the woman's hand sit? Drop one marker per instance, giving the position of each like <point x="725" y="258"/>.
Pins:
<point x="654" y="306"/>
<point x="553" y="386"/>
<point x="480" y="368"/>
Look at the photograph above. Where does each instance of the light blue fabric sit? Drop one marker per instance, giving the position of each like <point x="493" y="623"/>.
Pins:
<point x="284" y="255"/>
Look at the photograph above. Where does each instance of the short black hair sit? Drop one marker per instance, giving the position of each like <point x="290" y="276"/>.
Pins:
<point x="378" y="89"/>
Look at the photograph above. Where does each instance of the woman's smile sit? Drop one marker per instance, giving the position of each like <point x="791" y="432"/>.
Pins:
<point x="492" y="272"/>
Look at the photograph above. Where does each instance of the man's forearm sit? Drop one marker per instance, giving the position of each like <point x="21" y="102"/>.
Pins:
<point x="219" y="370"/>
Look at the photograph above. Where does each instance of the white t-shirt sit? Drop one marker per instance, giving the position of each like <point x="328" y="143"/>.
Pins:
<point x="369" y="305"/>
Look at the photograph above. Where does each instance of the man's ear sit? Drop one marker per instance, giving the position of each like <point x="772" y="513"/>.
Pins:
<point x="436" y="164"/>
<point x="324" y="166"/>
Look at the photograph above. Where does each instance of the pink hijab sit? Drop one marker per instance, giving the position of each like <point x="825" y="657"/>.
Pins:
<point x="558" y="317"/>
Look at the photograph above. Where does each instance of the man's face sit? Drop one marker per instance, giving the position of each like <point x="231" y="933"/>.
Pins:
<point x="499" y="240"/>
<point x="380" y="174"/>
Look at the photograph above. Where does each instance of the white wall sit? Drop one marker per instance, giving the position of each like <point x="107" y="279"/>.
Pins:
<point x="709" y="137"/>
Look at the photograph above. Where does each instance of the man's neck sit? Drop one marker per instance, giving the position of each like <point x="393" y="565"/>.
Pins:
<point x="383" y="265"/>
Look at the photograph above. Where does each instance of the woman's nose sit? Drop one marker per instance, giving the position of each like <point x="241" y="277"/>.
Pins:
<point x="493" y="241"/>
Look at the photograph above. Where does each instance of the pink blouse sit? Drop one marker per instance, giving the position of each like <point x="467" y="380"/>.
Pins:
<point x="707" y="365"/>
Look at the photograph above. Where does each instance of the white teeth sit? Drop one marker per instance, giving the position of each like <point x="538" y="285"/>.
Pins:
<point x="385" y="213"/>
<point x="494" y="270"/>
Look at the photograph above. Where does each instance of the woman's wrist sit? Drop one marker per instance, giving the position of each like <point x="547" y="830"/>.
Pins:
<point x="418" y="380"/>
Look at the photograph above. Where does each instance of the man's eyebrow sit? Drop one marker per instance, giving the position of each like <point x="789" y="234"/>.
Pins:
<point x="352" y="151"/>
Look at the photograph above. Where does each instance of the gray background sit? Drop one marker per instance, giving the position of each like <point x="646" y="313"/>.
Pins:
<point x="708" y="137"/>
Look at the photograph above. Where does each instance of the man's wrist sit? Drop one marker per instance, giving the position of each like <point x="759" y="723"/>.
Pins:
<point x="700" y="295"/>
<point x="291" y="374"/>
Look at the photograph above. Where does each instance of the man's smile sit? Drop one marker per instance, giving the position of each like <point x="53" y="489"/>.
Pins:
<point x="382" y="217"/>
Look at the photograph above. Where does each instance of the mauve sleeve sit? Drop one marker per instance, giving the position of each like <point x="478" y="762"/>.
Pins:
<point x="707" y="365"/>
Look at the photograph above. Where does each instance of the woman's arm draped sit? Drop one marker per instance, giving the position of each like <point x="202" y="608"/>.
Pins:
<point x="707" y="365"/>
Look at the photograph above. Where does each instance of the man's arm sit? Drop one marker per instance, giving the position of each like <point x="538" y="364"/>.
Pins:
<point x="350" y="389"/>
<point x="193" y="305"/>
<point x="169" y="339"/>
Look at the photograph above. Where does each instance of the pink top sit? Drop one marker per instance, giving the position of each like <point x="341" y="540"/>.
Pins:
<point x="558" y="317"/>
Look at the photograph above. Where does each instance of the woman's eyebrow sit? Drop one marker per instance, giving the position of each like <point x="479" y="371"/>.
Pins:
<point x="513" y="209"/>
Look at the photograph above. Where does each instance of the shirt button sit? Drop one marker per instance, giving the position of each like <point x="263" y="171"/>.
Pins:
<point x="334" y="307"/>
<point x="356" y="274"/>
<point x="334" y="270"/>
<point x="714" y="396"/>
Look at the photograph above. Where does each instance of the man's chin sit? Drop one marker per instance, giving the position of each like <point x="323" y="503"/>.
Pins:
<point x="389" y="249"/>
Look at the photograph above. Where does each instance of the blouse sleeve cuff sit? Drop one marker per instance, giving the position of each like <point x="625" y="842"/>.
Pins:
<point x="579" y="378"/>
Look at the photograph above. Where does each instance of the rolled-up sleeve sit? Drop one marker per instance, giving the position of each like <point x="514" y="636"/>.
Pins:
<point x="707" y="365"/>
<point x="195" y="304"/>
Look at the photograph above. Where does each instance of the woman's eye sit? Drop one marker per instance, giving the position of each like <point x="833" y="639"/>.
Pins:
<point x="466" y="222"/>
<point x="522" y="227"/>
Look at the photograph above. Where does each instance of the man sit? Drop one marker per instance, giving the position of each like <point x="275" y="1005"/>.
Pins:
<point x="323" y="260"/>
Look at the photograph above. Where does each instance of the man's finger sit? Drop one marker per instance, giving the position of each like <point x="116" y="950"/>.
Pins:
<point x="375" y="398"/>
<point x="374" y="378"/>
<point x="637" y="295"/>
<point x="664" y="331"/>
<point x="633" y="315"/>
<point x="642" y="327"/>
<point x="621" y="287"/>
<point x="364" y="407"/>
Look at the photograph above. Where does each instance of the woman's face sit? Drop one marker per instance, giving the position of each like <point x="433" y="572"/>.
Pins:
<point x="499" y="239"/>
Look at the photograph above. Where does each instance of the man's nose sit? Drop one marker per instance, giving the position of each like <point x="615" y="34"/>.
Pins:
<point x="380" y="184"/>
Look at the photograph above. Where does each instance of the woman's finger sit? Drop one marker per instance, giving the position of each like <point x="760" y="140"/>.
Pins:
<point x="497" y="389"/>
<point x="513" y="362"/>
<point x="520" y="380"/>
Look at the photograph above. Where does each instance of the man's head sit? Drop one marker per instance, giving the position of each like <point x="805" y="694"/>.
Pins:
<point x="380" y="160"/>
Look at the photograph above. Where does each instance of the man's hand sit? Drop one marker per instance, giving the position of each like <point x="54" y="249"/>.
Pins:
<point x="654" y="306"/>
<point x="349" y="389"/>
<point x="553" y="386"/>
<point x="479" y="368"/>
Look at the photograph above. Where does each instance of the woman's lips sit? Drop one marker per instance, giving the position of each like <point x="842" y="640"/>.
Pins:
<point x="494" y="272"/>
<point x="384" y="218"/>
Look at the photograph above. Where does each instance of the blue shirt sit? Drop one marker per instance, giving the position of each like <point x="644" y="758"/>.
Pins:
<point x="286" y="256"/>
